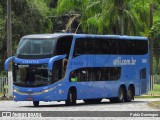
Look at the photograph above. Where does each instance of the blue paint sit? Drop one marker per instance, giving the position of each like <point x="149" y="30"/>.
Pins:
<point x="130" y="65"/>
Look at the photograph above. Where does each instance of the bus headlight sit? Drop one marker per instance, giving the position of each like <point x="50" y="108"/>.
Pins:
<point x="15" y="90"/>
<point x="48" y="90"/>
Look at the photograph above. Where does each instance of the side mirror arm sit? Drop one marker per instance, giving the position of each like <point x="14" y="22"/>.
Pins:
<point x="6" y="64"/>
<point x="53" y="59"/>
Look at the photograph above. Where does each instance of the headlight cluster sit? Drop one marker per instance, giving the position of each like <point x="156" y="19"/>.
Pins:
<point x="34" y="93"/>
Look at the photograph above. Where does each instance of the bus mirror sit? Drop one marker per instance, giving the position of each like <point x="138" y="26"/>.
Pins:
<point x="7" y="62"/>
<point x="53" y="59"/>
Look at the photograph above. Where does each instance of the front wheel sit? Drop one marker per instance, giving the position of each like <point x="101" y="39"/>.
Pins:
<point x="35" y="103"/>
<point x="71" y="98"/>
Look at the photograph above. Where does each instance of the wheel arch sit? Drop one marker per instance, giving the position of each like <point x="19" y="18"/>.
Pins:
<point x="123" y="86"/>
<point x="73" y="89"/>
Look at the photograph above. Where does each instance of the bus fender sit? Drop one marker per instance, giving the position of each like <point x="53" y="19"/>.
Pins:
<point x="7" y="62"/>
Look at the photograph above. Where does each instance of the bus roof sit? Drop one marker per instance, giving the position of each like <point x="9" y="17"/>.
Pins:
<point x="56" y="35"/>
<point x="111" y="36"/>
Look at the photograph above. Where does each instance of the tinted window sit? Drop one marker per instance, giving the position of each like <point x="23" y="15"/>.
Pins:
<point x="63" y="45"/>
<point x="95" y="74"/>
<point x="110" y="46"/>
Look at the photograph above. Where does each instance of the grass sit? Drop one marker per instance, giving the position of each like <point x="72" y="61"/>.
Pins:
<point x="147" y="96"/>
<point x="156" y="90"/>
<point x="1" y="94"/>
<point x="155" y="93"/>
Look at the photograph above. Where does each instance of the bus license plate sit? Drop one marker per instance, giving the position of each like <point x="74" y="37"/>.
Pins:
<point x="30" y="99"/>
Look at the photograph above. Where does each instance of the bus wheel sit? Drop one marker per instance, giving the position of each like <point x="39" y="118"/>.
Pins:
<point x="71" y="98"/>
<point x="92" y="101"/>
<point x="129" y="95"/>
<point x="36" y="103"/>
<point x="121" y="95"/>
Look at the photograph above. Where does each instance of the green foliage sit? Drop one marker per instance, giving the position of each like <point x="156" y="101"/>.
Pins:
<point x="110" y="16"/>
<point x="129" y="17"/>
<point x="68" y="6"/>
<point x="155" y="30"/>
<point x="28" y="17"/>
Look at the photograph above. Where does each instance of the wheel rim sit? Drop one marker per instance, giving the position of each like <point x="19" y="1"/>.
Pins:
<point x="121" y="95"/>
<point x="70" y="97"/>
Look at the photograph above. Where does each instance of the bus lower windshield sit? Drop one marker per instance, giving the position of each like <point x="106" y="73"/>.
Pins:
<point x="31" y="75"/>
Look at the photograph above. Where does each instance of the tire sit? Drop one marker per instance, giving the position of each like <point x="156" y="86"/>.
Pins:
<point x="121" y="95"/>
<point x="71" y="98"/>
<point x="129" y="95"/>
<point x="36" y="103"/>
<point x="92" y="101"/>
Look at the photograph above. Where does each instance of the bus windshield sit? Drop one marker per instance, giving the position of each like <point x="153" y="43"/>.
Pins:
<point x="31" y="75"/>
<point x="31" y="46"/>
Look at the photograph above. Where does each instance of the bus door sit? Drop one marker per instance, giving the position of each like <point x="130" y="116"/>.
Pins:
<point x="90" y="77"/>
<point x="91" y="69"/>
<point x="143" y="81"/>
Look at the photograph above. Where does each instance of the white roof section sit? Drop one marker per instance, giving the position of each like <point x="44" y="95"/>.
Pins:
<point x="55" y="35"/>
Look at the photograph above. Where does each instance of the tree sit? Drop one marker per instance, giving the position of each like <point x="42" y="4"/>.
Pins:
<point x="154" y="35"/>
<point x="109" y="16"/>
<point x="28" y="17"/>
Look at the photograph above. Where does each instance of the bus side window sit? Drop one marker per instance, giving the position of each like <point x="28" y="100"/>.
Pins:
<point x="80" y="47"/>
<point x="64" y="45"/>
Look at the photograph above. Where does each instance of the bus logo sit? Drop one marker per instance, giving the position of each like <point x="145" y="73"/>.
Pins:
<point x="29" y="90"/>
<point x="120" y="61"/>
<point x="31" y="61"/>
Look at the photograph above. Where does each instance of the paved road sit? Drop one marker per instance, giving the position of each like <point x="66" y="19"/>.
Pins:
<point x="136" y="105"/>
<point x="59" y="107"/>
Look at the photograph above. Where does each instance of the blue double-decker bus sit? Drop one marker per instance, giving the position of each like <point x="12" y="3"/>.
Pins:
<point x="69" y="67"/>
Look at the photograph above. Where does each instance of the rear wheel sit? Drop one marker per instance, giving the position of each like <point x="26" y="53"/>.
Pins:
<point x="129" y="95"/>
<point x="71" y="98"/>
<point x="35" y="103"/>
<point x="121" y="96"/>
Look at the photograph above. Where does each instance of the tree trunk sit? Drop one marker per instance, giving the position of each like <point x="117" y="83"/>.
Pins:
<point x="156" y="54"/>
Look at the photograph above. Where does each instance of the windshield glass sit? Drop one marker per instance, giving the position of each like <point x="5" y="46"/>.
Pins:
<point x="31" y="75"/>
<point x="28" y="46"/>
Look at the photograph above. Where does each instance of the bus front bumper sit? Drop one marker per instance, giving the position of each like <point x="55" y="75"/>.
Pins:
<point x="46" y="95"/>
